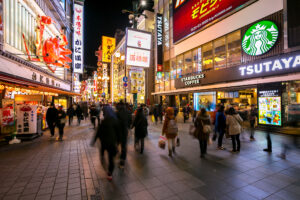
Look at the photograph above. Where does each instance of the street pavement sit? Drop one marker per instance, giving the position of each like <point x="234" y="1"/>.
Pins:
<point x="48" y="169"/>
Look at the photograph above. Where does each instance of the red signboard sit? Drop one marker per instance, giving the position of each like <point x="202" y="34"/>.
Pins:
<point x="192" y="15"/>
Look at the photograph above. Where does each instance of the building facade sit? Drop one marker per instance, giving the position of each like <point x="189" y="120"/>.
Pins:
<point x="236" y="53"/>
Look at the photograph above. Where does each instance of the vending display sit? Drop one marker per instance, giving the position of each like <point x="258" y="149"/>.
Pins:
<point x="269" y="109"/>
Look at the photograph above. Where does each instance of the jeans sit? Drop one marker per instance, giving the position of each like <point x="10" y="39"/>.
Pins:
<point x="61" y="130"/>
<point x="78" y="120"/>
<point x="51" y="126"/>
<point x="70" y="120"/>
<point x="269" y="141"/>
<point x="111" y="154"/>
<point x="252" y="123"/>
<point x="220" y="139"/>
<point x="137" y="140"/>
<point x="236" y="144"/>
<point x="203" y="146"/>
<point x="171" y="143"/>
<point x="123" y="149"/>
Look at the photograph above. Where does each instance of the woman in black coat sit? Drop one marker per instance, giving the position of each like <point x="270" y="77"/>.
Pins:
<point x="108" y="133"/>
<point x="140" y="132"/>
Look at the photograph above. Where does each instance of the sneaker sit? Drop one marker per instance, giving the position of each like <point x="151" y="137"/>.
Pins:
<point x="221" y="148"/>
<point x="268" y="150"/>
<point x="233" y="151"/>
<point x="252" y="139"/>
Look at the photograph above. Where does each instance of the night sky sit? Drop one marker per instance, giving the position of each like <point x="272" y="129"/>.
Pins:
<point x="103" y="18"/>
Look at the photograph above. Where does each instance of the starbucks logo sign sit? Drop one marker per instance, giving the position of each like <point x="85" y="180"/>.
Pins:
<point x="260" y="38"/>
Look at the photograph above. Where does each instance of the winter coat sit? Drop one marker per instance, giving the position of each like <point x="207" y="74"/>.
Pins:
<point x="140" y="125"/>
<point x="108" y="132"/>
<point x="78" y="111"/>
<point x="253" y="114"/>
<point x="200" y="121"/>
<point x="123" y="118"/>
<point x="234" y="124"/>
<point x="51" y="115"/>
<point x="94" y="112"/>
<point x="220" y="123"/>
<point x="61" y="119"/>
<point x="169" y="116"/>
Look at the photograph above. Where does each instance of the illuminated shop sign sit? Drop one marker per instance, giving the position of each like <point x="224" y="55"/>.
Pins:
<point x="159" y="30"/>
<point x="108" y="46"/>
<point x="282" y="64"/>
<point x="138" y="57"/>
<point x="78" y="39"/>
<point x="138" y="39"/>
<point x="260" y="38"/>
<point x="192" y="15"/>
<point x="192" y="80"/>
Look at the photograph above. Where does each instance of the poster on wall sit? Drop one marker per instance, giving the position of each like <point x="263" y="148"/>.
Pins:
<point x="192" y="15"/>
<point x="7" y="116"/>
<point x="78" y="39"/>
<point x="26" y="119"/>
<point x="108" y="46"/>
<point x="269" y="107"/>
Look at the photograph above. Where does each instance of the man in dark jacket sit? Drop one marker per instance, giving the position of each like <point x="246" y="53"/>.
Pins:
<point x="94" y="115"/>
<point x="70" y="113"/>
<point x="61" y="121"/>
<point x="220" y="125"/>
<point x="51" y="117"/>
<point x="108" y="133"/>
<point x="141" y="124"/>
<point x="123" y="117"/>
<point x="79" y="114"/>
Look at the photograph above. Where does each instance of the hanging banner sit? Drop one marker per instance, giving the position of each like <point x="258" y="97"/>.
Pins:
<point x="159" y="31"/>
<point x="26" y="119"/>
<point x="78" y="39"/>
<point x="108" y="46"/>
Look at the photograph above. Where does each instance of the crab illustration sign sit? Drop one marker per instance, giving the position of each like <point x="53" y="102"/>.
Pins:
<point x="260" y="38"/>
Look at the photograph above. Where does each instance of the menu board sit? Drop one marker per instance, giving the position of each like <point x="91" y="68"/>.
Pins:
<point x="269" y="111"/>
<point x="26" y="119"/>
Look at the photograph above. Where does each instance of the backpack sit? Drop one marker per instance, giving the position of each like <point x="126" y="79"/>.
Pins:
<point x="172" y="127"/>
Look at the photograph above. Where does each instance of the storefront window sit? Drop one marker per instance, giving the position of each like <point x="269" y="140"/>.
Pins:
<point x="205" y="100"/>
<point x="173" y="69"/>
<point x="179" y="66"/>
<point x="197" y="60"/>
<point x="167" y="80"/>
<point x="234" y="49"/>
<point x="188" y="65"/>
<point x="220" y="53"/>
<point x="207" y="53"/>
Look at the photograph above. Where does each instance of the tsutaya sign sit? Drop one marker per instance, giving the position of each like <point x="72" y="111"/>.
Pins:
<point x="280" y="64"/>
<point x="192" y="80"/>
<point x="260" y="38"/>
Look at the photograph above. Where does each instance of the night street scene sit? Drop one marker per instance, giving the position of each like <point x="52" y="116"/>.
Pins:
<point x="149" y="100"/>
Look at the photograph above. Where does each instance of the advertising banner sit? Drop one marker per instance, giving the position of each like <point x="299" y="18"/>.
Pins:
<point x="192" y="15"/>
<point x="7" y="115"/>
<point x="108" y="46"/>
<point x="138" y="57"/>
<point x="78" y="39"/>
<point x="26" y="119"/>
<point x="139" y="39"/>
<point x="159" y="31"/>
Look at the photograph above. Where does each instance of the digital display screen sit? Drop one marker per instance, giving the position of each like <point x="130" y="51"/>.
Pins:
<point x="269" y="111"/>
<point x="192" y="15"/>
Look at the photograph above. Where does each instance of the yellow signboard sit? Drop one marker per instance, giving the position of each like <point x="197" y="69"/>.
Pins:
<point x="108" y="46"/>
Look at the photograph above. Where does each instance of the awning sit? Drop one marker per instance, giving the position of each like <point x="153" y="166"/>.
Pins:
<point x="21" y="82"/>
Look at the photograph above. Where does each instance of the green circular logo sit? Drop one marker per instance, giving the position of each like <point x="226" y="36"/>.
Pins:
<point x="260" y="38"/>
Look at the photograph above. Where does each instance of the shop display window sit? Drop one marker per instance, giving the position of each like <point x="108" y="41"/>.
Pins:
<point x="220" y="53"/>
<point x="179" y="64"/>
<point x="173" y="69"/>
<point x="205" y="100"/>
<point x="234" y="49"/>
<point x="207" y="56"/>
<point x="188" y="65"/>
<point x="197" y="60"/>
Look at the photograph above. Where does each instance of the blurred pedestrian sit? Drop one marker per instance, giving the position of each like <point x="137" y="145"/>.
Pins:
<point x="203" y="128"/>
<point x="170" y="129"/>
<point x="156" y="113"/>
<point x="79" y="114"/>
<point x="61" y="121"/>
<point x="252" y="120"/>
<point x="51" y="118"/>
<point x="123" y="116"/>
<point x="70" y="113"/>
<point x="214" y="115"/>
<point x="140" y="132"/>
<point x="160" y="112"/>
<point x="268" y="137"/>
<point x="108" y="133"/>
<point x="220" y="126"/>
<point x="185" y="114"/>
<point x="233" y="122"/>
<point x="94" y="115"/>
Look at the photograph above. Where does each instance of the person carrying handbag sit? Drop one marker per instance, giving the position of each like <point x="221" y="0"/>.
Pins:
<point x="203" y="129"/>
<point x="234" y="127"/>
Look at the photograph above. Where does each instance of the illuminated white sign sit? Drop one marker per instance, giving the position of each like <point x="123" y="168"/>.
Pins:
<point x="138" y="57"/>
<point x="191" y="80"/>
<point x="279" y="64"/>
<point x="138" y="39"/>
<point x="78" y="39"/>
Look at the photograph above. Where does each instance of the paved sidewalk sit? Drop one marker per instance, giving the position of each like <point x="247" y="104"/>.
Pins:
<point x="45" y="169"/>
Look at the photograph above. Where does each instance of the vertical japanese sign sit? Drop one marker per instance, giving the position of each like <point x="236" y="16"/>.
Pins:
<point x="108" y="46"/>
<point x="26" y="119"/>
<point x="78" y="39"/>
<point x="159" y="31"/>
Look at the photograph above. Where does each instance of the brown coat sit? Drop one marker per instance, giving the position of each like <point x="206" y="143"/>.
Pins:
<point x="199" y="122"/>
<point x="169" y="116"/>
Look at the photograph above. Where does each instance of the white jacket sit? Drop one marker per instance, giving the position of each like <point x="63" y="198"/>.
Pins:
<point x="234" y="124"/>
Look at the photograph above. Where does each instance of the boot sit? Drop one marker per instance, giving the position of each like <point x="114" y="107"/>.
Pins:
<point x="173" y="150"/>
<point x="170" y="153"/>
